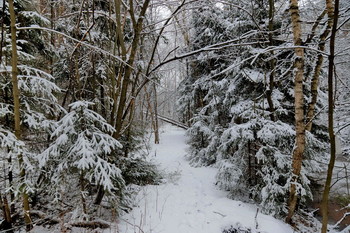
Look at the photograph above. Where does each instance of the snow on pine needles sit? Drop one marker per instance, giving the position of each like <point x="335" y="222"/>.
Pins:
<point x="188" y="201"/>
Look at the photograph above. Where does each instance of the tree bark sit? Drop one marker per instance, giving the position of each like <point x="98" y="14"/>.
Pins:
<point x="148" y="70"/>
<point x="7" y="224"/>
<point x="15" y="92"/>
<point x="333" y="13"/>
<point x="52" y="35"/>
<point x="128" y="68"/>
<point x="299" y="146"/>
<point x="272" y="62"/>
<point x="156" y="124"/>
<point x="316" y="76"/>
<point x="2" y="22"/>
<point x="82" y="192"/>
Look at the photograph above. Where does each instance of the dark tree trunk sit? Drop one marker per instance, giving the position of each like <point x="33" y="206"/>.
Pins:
<point x="333" y="14"/>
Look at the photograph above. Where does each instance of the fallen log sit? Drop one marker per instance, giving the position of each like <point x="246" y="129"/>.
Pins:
<point x="171" y="121"/>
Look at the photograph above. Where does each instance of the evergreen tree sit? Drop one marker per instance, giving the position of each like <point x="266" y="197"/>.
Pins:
<point x="243" y="118"/>
<point x="80" y="150"/>
<point x="27" y="101"/>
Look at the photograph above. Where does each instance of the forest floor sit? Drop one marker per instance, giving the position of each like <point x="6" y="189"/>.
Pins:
<point x="188" y="201"/>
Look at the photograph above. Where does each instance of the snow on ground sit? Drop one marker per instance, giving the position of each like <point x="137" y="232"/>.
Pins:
<point x="189" y="201"/>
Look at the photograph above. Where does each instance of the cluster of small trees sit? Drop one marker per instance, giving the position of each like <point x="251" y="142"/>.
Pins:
<point x="256" y="98"/>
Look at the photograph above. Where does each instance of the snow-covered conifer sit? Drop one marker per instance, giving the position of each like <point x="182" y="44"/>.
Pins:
<point x="82" y="144"/>
<point x="242" y="106"/>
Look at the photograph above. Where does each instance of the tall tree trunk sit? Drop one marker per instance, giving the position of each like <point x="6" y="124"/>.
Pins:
<point x="156" y="125"/>
<point x="333" y="12"/>
<point x="316" y="76"/>
<point x="299" y="146"/>
<point x="272" y="62"/>
<point x="15" y="92"/>
<point x="138" y="25"/>
<point x="2" y="22"/>
<point x="52" y="34"/>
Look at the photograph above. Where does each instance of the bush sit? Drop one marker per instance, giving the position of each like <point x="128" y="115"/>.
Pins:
<point x="139" y="172"/>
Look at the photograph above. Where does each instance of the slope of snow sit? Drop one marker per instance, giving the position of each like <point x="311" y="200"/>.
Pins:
<point x="188" y="201"/>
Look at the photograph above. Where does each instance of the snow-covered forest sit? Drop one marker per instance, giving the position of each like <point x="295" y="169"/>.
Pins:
<point x="162" y="116"/>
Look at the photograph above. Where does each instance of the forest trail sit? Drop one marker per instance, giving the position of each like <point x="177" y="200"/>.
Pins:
<point x="188" y="201"/>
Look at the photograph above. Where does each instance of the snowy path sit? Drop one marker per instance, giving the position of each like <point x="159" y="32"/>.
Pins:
<point x="189" y="202"/>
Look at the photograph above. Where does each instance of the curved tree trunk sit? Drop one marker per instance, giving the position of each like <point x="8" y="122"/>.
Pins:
<point x="333" y="12"/>
<point x="316" y="76"/>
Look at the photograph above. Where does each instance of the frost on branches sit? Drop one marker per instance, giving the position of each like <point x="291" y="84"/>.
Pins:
<point x="82" y="145"/>
<point x="227" y="100"/>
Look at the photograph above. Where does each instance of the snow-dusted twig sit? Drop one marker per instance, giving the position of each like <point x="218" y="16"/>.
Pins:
<point x="222" y="215"/>
<point x="36" y="27"/>
<point x="256" y="219"/>
<point x="337" y="223"/>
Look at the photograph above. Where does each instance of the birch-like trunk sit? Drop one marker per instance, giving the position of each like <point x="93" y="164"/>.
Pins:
<point x="299" y="146"/>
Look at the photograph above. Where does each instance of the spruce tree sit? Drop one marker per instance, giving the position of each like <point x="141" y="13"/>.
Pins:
<point x="242" y="104"/>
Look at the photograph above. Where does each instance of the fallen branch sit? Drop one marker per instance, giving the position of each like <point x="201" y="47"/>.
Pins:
<point x="344" y="216"/>
<point x="91" y="224"/>
<point x="170" y="121"/>
<point x="222" y="215"/>
<point x="44" y="219"/>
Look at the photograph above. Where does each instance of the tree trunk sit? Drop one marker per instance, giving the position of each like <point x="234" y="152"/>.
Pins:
<point x="7" y="223"/>
<point x="333" y="13"/>
<point x="316" y="76"/>
<point x="52" y="35"/>
<point x="156" y="125"/>
<point x="272" y="64"/>
<point x="10" y="178"/>
<point x="100" y="195"/>
<point x="138" y="25"/>
<point x="82" y="193"/>
<point x="150" y="109"/>
<point x="17" y="120"/>
<point x="299" y="146"/>
<point x="2" y="21"/>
